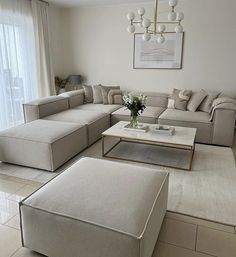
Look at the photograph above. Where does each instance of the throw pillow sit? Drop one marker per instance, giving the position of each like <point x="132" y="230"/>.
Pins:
<point x="88" y="93"/>
<point x="205" y="106"/>
<point x="195" y="100"/>
<point x="115" y="96"/>
<point x="105" y="90"/>
<point x="97" y="94"/>
<point x="179" y="99"/>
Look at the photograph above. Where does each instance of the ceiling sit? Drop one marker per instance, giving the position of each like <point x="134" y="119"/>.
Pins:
<point x="72" y="3"/>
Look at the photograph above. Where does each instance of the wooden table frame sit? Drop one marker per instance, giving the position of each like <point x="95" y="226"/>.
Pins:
<point x="190" y="149"/>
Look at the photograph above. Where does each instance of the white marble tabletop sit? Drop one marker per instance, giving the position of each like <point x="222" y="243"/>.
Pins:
<point x="183" y="136"/>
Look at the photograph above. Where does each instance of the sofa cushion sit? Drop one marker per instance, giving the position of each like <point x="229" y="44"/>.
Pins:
<point x="115" y="96"/>
<point x="179" y="99"/>
<point x="206" y="104"/>
<point x="77" y="116"/>
<point x="196" y="99"/>
<point x="149" y="115"/>
<point x="199" y="120"/>
<point x="96" y="122"/>
<point x="108" y="108"/>
<point x="88" y="93"/>
<point x="154" y="99"/>
<point x="76" y="97"/>
<point x="105" y="91"/>
<point x="96" y="208"/>
<point x="45" y="106"/>
<point x="97" y="94"/>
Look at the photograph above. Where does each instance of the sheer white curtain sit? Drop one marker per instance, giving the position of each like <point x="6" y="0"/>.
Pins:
<point x="43" y="48"/>
<point x="18" y="73"/>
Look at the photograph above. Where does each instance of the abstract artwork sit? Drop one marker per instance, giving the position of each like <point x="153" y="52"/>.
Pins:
<point x="151" y="55"/>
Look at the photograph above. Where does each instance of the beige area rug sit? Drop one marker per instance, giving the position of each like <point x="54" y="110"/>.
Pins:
<point x="208" y="191"/>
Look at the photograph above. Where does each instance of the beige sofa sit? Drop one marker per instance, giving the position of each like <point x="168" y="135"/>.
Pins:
<point x="93" y="119"/>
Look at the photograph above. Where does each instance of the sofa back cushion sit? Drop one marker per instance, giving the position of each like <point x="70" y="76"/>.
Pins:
<point x="155" y="99"/>
<point x="43" y="107"/>
<point x="75" y="98"/>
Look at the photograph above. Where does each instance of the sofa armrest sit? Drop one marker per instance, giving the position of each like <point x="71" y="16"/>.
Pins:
<point x="75" y="98"/>
<point x="223" y="128"/>
<point x="43" y="107"/>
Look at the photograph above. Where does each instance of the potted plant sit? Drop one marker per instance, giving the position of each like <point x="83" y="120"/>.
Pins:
<point x="136" y="105"/>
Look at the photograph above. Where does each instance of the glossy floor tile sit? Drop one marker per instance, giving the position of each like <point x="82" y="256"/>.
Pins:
<point x="8" y="209"/>
<point x="23" y="192"/>
<point x="8" y="186"/>
<point x="14" y="222"/>
<point x="10" y="241"/>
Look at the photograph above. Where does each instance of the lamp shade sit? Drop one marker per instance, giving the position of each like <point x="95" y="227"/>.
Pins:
<point x="74" y="79"/>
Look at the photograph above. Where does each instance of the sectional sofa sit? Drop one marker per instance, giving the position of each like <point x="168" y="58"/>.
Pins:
<point x="58" y="127"/>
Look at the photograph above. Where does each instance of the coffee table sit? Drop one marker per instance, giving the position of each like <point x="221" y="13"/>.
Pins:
<point x="183" y="139"/>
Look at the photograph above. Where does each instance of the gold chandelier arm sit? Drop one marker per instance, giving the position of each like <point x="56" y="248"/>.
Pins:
<point x="155" y="16"/>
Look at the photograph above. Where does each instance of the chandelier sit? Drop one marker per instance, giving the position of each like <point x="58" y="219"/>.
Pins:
<point x="174" y="18"/>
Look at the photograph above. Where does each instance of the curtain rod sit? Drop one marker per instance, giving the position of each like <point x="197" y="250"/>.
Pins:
<point x="44" y="2"/>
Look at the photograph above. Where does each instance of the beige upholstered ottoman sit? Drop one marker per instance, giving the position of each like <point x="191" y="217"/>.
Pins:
<point x="42" y="144"/>
<point x="96" y="208"/>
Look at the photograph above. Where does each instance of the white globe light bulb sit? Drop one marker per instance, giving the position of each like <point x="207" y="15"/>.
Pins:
<point x="146" y="23"/>
<point x="130" y="16"/>
<point x="131" y="28"/>
<point x="178" y="29"/>
<point x="173" y="3"/>
<point x="141" y="11"/>
<point x="161" y="28"/>
<point x="160" y="39"/>
<point x="146" y="36"/>
<point x="172" y="16"/>
<point x="179" y="16"/>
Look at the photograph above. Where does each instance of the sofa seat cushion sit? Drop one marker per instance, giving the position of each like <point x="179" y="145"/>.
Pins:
<point x="96" y="122"/>
<point x="42" y="141"/>
<point x="149" y="115"/>
<point x="105" y="108"/>
<point x="110" y="208"/>
<point x="199" y="120"/>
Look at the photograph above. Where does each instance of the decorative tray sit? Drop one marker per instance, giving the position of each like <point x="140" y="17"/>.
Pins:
<point x="140" y="128"/>
<point x="164" y="130"/>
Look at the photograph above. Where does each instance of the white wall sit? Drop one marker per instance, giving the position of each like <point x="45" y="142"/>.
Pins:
<point x="98" y="47"/>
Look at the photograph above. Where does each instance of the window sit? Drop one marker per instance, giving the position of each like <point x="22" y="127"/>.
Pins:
<point x="18" y="82"/>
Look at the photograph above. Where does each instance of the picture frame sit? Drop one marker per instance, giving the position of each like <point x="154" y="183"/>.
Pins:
<point x="151" y="55"/>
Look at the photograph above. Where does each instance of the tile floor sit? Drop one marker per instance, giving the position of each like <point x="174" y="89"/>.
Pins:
<point x="180" y="236"/>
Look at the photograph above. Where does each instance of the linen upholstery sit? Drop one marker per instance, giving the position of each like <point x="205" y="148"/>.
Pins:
<point x="88" y="93"/>
<point x="42" y="142"/>
<point x="115" y="96"/>
<point x="108" y="108"/>
<point x="179" y="99"/>
<point x="224" y="123"/>
<point x="196" y="99"/>
<point x="154" y="99"/>
<point x="43" y="107"/>
<point x="205" y="106"/>
<point x="112" y="209"/>
<point x="199" y="120"/>
<point x="97" y="94"/>
<point x="96" y="122"/>
<point x="105" y="91"/>
<point x="150" y="115"/>
<point x="75" y="97"/>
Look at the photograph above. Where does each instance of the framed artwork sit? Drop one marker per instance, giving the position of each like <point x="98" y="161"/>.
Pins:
<point x="151" y="55"/>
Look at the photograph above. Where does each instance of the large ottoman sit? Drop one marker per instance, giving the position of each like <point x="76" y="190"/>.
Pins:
<point x="42" y="144"/>
<point x="96" y="208"/>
